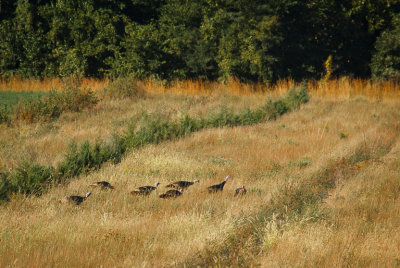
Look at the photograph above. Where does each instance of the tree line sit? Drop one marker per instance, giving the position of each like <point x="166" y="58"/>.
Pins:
<point x="253" y="40"/>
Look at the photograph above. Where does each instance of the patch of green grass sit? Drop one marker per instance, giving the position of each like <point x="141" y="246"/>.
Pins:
<point x="301" y="163"/>
<point x="12" y="98"/>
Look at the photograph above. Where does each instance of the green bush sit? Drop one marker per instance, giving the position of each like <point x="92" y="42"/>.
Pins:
<point x="153" y="129"/>
<point x="4" y="115"/>
<point x="124" y="88"/>
<point x="29" y="178"/>
<point x="37" y="110"/>
<point x="223" y="117"/>
<point x="187" y="125"/>
<point x="281" y="107"/>
<point x="90" y="156"/>
<point x="226" y="117"/>
<point x="295" y="98"/>
<point x="80" y="160"/>
<point x="111" y="149"/>
<point x="51" y="106"/>
<point x="73" y="99"/>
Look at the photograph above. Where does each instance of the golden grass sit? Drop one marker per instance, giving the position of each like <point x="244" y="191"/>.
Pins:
<point x="350" y="88"/>
<point x="362" y="229"/>
<point x="47" y="84"/>
<point x="359" y="225"/>
<point x="115" y="229"/>
<point x="47" y="142"/>
<point x="343" y="87"/>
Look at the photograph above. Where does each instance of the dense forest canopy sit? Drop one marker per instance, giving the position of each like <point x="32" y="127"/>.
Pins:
<point x="253" y="40"/>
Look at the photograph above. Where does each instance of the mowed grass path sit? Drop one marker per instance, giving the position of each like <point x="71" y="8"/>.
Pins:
<point x="119" y="230"/>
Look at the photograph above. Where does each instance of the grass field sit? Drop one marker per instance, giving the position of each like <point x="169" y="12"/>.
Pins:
<point x="323" y="185"/>
<point x="12" y="98"/>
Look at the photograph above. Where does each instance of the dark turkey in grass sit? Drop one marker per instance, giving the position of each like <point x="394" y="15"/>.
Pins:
<point x="171" y="194"/>
<point x="240" y="191"/>
<point x="182" y="185"/>
<point x="218" y="187"/>
<point x="103" y="185"/>
<point x="75" y="199"/>
<point x="144" y="190"/>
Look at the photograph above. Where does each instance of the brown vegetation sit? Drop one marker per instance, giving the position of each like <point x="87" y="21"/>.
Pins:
<point x="344" y="87"/>
<point x="322" y="185"/>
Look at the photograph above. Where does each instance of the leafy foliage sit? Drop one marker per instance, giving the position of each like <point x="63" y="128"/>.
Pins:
<point x="30" y="178"/>
<point x="251" y="40"/>
<point x="386" y="60"/>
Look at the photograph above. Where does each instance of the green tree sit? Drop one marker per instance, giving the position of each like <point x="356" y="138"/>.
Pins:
<point x="386" y="60"/>
<point x="82" y="38"/>
<point x="23" y="50"/>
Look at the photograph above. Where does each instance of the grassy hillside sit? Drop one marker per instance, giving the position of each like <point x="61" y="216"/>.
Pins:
<point x="322" y="183"/>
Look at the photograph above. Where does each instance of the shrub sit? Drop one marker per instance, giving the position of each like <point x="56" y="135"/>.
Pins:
<point x="187" y="125"/>
<point x="153" y="129"/>
<point x="290" y="102"/>
<point x="71" y="99"/>
<point x="223" y="117"/>
<point x="295" y="98"/>
<point x="124" y="88"/>
<point x="79" y="161"/>
<point x="29" y="178"/>
<point x="4" y="115"/>
<point x="37" y="110"/>
<point x="113" y="149"/>
<point x="281" y="107"/>
<point x="90" y="156"/>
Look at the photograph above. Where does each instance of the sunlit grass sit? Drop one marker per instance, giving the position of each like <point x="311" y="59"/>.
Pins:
<point x="343" y="87"/>
<point x="355" y="225"/>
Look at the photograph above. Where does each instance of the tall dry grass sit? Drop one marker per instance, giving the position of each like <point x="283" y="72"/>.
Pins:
<point x="47" y="142"/>
<point x="343" y="87"/>
<point x="46" y="84"/>
<point x="115" y="229"/>
<point x="361" y="226"/>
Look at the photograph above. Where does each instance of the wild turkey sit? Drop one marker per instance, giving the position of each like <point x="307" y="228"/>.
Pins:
<point x="240" y="191"/>
<point x="182" y="185"/>
<point x="171" y="193"/>
<point x="75" y="199"/>
<point x="103" y="185"/>
<point x="218" y="187"/>
<point x="144" y="190"/>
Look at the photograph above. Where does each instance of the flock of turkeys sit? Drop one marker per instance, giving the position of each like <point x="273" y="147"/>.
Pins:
<point x="177" y="189"/>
